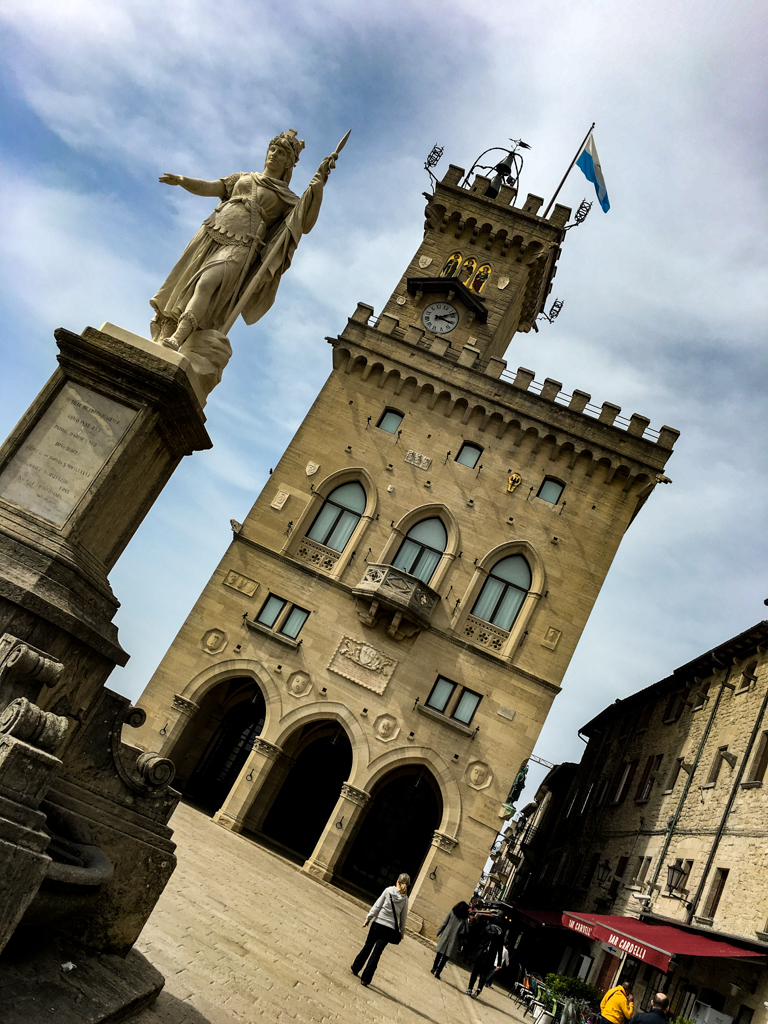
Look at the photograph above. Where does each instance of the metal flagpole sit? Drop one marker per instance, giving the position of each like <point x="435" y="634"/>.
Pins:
<point x="570" y="167"/>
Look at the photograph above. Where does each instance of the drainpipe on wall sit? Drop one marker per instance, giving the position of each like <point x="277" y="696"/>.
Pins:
<point x="689" y="780"/>
<point x="728" y="806"/>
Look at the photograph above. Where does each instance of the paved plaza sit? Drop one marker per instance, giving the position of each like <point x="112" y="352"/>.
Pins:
<point x="243" y="936"/>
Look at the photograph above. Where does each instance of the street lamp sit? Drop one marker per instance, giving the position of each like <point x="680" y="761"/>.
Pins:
<point x="676" y="875"/>
<point x="603" y="873"/>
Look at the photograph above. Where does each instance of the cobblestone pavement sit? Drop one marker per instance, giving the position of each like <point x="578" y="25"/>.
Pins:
<point x="242" y="936"/>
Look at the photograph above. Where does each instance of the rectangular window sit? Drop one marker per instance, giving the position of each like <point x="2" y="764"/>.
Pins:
<point x="469" y="454"/>
<point x="390" y="421"/>
<point x="271" y="609"/>
<point x="642" y="869"/>
<point x="650" y="775"/>
<point x="442" y="697"/>
<point x="674" y="707"/>
<point x="550" y="490"/>
<point x="701" y="694"/>
<point x="760" y="762"/>
<point x="625" y="782"/>
<point x="674" y="773"/>
<point x="715" y="892"/>
<point x="586" y="798"/>
<point x="466" y="707"/>
<point x="714" y="771"/>
<point x="282" y="616"/>
<point x="441" y="694"/>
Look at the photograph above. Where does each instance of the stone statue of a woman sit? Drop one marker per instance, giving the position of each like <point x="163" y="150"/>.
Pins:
<point x="234" y="263"/>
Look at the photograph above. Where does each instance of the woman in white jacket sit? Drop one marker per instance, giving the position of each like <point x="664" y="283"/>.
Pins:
<point x="388" y="914"/>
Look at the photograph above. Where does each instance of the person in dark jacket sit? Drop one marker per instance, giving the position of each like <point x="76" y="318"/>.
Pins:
<point x="388" y="914"/>
<point x="657" y="1013"/>
<point x="450" y="933"/>
<point x="490" y="942"/>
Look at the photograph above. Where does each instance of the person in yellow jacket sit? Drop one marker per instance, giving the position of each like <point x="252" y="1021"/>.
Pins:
<point x="617" y="1006"/>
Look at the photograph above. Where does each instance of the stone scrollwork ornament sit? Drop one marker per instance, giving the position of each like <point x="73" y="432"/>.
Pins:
<point x="234" y="264"/>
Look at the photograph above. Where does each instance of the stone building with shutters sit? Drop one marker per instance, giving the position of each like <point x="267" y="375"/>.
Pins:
<point x="373" y="659"/>
<point x="664" y="824"/>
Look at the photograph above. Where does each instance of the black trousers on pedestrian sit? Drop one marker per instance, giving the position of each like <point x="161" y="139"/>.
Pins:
<point x="441" y="959"/>
<point x="378" y="937"/>
<point x="480" y="969"/>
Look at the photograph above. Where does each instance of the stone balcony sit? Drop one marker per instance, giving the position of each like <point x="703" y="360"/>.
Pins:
<point x="385" y="588"/>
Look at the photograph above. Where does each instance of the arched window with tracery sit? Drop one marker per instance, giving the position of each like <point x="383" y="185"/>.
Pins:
<point x="452" y="265"/>
<point x="503" y="592"/>
<point x="422" y="549"/>
<point x="340" y="513"/>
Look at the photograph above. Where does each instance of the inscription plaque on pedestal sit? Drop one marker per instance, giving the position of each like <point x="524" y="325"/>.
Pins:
<point x="64" y="452"/>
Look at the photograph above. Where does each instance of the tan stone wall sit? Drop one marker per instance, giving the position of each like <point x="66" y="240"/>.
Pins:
<point x="607" y="472"/>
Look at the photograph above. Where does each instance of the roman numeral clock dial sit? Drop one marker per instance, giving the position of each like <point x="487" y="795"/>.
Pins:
<point x="440" y="317"/>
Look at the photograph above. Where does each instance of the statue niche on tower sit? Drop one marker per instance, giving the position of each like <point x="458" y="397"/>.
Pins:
<point x="234" y="263"/>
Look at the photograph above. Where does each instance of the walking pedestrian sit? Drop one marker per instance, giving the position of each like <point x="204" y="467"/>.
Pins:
<point x="502" y="960"/>
<point x="387" y="919"/>
<point x="657" y="1013"/>
<point x="450" y="933"/>
<point x="489" y="944"/>
<point x="616" y="1006"/>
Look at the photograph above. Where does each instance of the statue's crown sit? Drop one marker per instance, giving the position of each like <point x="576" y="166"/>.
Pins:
<point x="289" y="140"/>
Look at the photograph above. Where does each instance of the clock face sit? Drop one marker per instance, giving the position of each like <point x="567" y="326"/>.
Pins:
<point x="440" y="317"/>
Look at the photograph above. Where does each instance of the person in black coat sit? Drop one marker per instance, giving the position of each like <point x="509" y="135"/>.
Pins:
<point x="657" y="1013"/>
<point x="490" y="942"/>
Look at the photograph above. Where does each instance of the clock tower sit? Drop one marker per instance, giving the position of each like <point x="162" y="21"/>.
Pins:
<point x="482" y="273"/>
<point x="373" y="659"/>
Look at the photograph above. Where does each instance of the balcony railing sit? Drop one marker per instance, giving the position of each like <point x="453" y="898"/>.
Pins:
<point x="319" y="555"/>
<point x="484" y="634"/>
<point x="399" y="592"/>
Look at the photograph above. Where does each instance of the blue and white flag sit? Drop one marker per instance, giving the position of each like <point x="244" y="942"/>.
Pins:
<point x="589" y="162"/>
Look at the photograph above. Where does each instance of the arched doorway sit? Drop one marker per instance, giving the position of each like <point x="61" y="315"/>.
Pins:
<point x="323" y="760"/>
<point x="244" y="710"/>
<point x="397" y="831"/>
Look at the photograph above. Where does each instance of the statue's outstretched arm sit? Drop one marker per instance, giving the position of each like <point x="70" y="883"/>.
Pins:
<point x="197" y="186"/>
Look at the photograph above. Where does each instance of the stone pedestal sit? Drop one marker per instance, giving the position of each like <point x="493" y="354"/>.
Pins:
<point x="260" y="778"/>
<point x="77" y="476"/>
<point x="338" y="833"/>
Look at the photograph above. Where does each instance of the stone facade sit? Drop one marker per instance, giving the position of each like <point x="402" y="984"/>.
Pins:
<point x="377" y="638"/>
<point x="674" y="774"/>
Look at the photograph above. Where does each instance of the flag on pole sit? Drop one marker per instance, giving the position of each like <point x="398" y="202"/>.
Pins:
<point x="589" y="162"/>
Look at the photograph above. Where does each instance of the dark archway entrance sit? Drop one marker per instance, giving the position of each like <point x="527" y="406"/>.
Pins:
<point x="323" y="760"/>
<point x="227" y="750"/>
<point x="397" y="831"/>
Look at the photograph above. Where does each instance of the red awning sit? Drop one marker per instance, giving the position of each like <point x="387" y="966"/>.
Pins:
<point x="654" y="944"/>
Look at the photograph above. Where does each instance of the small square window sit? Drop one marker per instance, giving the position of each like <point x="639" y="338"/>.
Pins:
<point x="441" y="694"/>
<point x="390" y="421"/>
<point x="466" y="707"/>
<point x="270" y="611"/>
<point x="292" y="625"/>
<point x="284" y="618"/>
<point x="551" y="490"/>
<point x="469" y="454"/>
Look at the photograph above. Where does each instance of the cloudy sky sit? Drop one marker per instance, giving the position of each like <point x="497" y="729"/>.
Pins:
<point x="664" y="296"/>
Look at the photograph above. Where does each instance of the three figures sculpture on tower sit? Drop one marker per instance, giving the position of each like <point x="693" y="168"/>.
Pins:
<point x="235" y="262"/>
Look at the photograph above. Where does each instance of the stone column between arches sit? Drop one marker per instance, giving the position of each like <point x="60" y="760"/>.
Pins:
<point x="338" y="833"/>
<point x="260" y="777"/>
<point x="425" y="887"/>
<point x="181" y="713"/>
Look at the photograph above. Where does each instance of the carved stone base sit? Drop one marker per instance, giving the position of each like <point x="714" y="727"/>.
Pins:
<point x="101" y="989"/>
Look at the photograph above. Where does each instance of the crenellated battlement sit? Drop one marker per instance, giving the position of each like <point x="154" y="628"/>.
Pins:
<point x="507" y="390"/>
